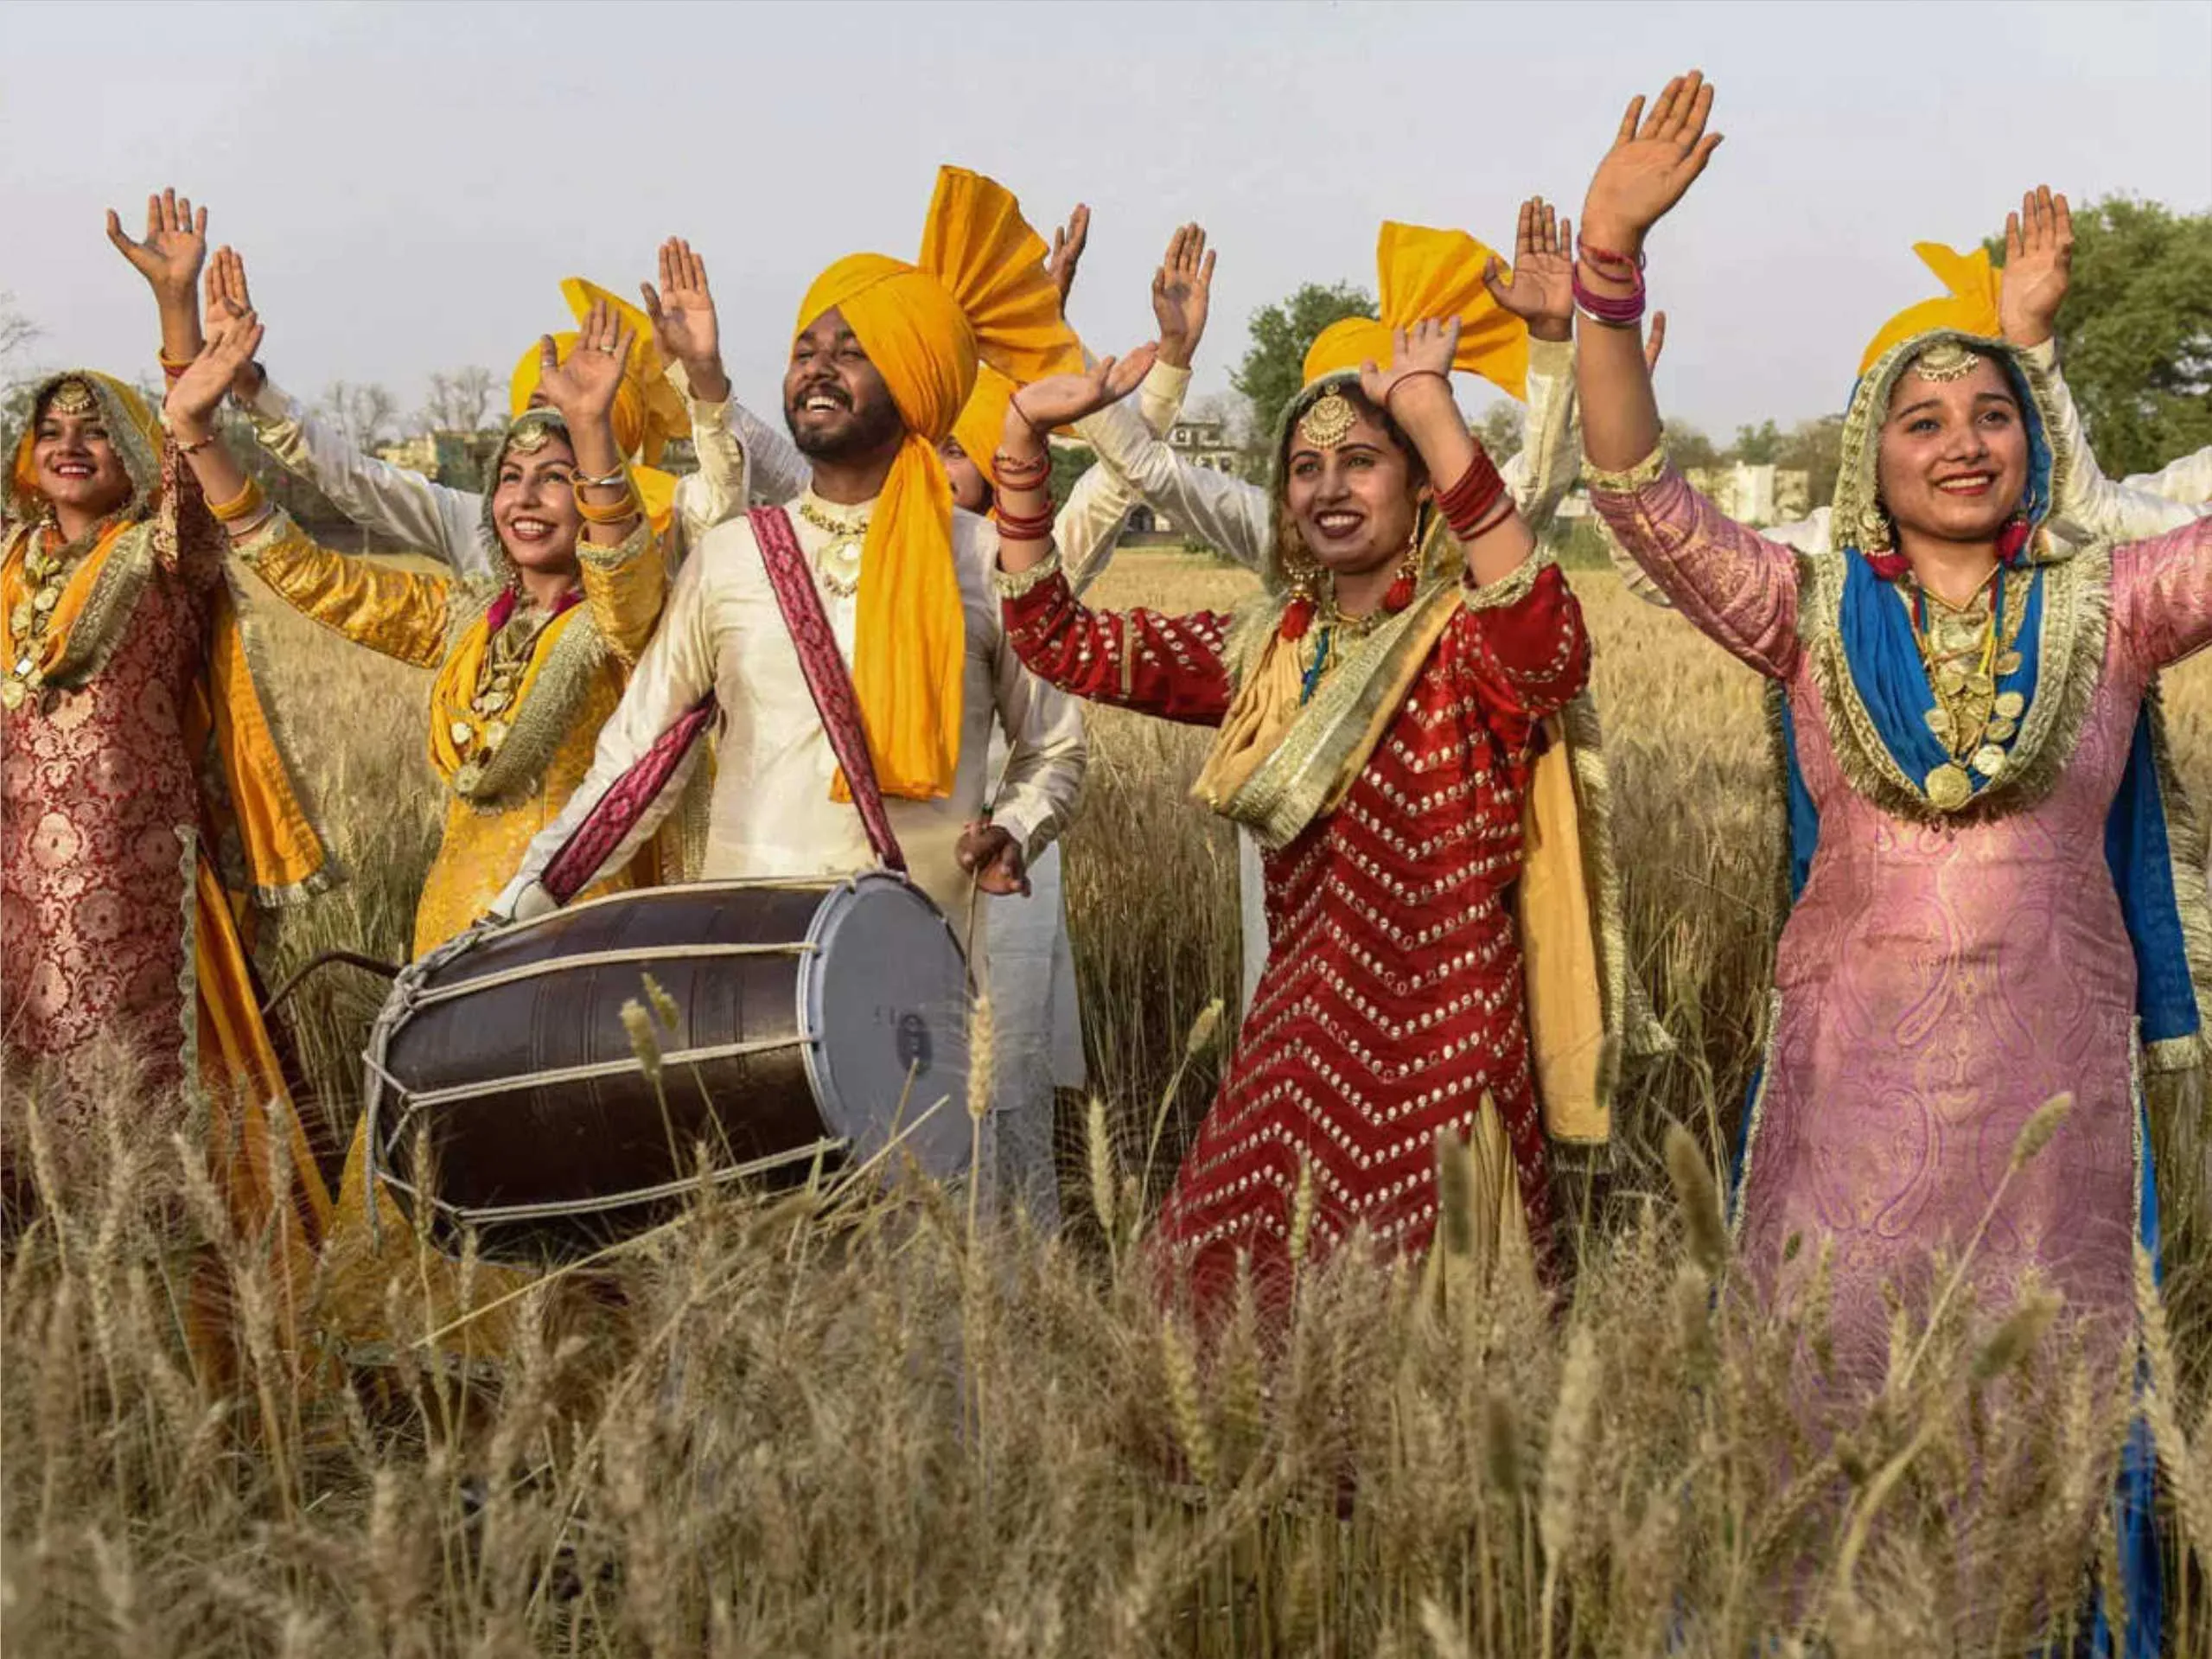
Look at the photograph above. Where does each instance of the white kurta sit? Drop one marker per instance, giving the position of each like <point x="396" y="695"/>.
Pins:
<point x="1236" y="517"/>
<point x="1033" y="989"/>
<point x="771" y="812"/>
<point x="447" y="524"/>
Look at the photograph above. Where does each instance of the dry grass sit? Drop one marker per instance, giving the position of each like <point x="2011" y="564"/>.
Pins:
<point x="831" y="1425"/>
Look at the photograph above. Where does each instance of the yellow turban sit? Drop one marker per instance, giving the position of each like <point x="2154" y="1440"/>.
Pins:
<point x="648" y="411"/>
<point x="978" y="291"/>
<point x="1969" y="306"/>
<point x="1430" y="273"/>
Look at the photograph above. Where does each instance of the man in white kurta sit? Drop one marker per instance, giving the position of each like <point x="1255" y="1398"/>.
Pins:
<point x="772" y="814"/>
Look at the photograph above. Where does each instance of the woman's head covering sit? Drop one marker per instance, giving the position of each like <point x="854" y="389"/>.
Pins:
<point x="978" y="293"/>
<point x="529" y="430"/>
<point x="648" y="410"/>
<point x="1861" y="521"/>
<point x="133" y="430"/>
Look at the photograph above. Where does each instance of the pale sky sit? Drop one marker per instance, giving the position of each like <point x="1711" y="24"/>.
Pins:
<point x="409" y="183"/>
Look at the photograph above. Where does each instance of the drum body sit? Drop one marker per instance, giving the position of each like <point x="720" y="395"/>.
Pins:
<point x="813" y="1023"/>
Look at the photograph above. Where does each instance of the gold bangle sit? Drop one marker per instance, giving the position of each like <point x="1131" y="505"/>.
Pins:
<point x="239" y="506"/>
<point x="628" y="508"/>
<point x="173" y="365"/>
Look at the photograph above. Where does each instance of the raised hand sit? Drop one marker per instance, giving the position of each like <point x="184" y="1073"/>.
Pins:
<point x="1539" y="289"/>
<point x="1655" y="159"/>
<point x="227" y="300"/>
<point x="176" y="244"/>
<point x="685" y="326"/>
<point x="2038" y="264"/>
<point x="1059" y="399"/>
<point x="1424" y="351"/>
<point x="189" y="408"/>
<point x="1067" y="242"/>
<point x="1183" y="295"/>
<point x="583" y="389"/>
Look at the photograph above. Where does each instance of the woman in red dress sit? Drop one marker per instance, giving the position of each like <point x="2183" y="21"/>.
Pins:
<point x="1380" y="709"/>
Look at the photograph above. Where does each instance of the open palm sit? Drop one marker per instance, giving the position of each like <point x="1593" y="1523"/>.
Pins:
<point x="685" y="326"/>
<point x="1654" y="159"/>
<point x="1539" y="289"/>
<point x="192" y="400"/>
<point x="583" y="387"/>
<point x="176" y="244"/>
<point x="1061" y="399"/>
<point x="2038" y="265"/>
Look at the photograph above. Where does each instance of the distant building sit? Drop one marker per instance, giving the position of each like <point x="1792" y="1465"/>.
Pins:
<point x="1200" y="442"/>
<point x="1755" y="494"/>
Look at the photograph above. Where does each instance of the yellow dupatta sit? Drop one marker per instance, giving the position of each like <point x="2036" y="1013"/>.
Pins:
<point x="979" y="290"/>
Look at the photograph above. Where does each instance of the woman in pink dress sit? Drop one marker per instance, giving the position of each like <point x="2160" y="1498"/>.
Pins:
<point x="1995" y="885"/>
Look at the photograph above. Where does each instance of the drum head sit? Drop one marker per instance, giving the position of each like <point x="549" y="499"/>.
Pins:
<point x="885" y="999"/>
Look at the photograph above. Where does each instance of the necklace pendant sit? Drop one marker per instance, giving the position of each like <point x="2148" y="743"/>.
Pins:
<point x="1989" y="760"/>
<point x="2008" y="663"/>
<point x="12" y="694"/>
<point x="1939" y="722"/>
<point x="460" y="731"/>
<point x="1948" y="786"/>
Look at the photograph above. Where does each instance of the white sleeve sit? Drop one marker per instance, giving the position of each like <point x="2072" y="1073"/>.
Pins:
<point x="1550" y="460"/>
<point x="2090" y="507"/>
<point x="676" y="670"/>
<point x="716" y="493"/>
<point x="404" y="507"/>
<point x="776" y="472"/>
<point x="2188" y="481"/>
<point x="1089" y="526"/>
<point x="1218" y="508"/>
<point x="1047" y="749"/>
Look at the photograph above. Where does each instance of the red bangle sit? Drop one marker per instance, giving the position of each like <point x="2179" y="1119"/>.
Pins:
<point x="1465" y="503"/>
<point x="1615" y="312"/>
<point x="1009" y="473"/>
<point x="1415" y="374"/>
<point x="1605" y="256"/>
<point x="1013" y="526"/>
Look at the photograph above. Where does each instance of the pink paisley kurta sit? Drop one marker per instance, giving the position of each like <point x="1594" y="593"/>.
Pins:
<point x="95" y="788"/>
<point x="1936" y="984"/>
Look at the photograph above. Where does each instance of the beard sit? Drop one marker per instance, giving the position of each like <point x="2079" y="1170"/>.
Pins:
<point x="872" y="429"/>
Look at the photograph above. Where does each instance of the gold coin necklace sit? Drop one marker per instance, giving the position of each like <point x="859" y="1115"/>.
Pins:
<point x="46" y="570"/>
<point x="838" y="561"/>
<point x="1965" y="651"/>
<point x="506" y="658"/>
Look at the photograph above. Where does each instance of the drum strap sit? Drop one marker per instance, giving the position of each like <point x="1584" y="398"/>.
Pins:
<point x="827" y="677"/>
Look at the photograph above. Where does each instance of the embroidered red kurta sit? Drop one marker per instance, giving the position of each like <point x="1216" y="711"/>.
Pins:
<point x="1392" y="1001"/>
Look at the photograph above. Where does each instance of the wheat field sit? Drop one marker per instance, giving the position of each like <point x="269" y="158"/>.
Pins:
<point x="838" y="1422"/>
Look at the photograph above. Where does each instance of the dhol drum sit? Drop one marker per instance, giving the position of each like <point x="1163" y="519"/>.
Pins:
<point x="814" y="1022"/>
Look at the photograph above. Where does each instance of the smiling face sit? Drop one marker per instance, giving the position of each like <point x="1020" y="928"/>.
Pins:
<point x="1354" y="504"/>
<point x="78" y="469"/>
<point x="1953" y="459"/>
<point x="834" y="400"/>
<point x="534" y="503"/>
<point x="970" y="489"/>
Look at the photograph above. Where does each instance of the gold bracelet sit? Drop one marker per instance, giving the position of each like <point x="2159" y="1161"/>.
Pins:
<point x="173" y="365"/>
<point x="239" y="506"/>
<point x="628" y="508"/>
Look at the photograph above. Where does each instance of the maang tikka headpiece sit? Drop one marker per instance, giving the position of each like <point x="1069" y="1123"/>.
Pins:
<point x="72" y="397"/>
<point x="1947" y="359"/>
<point x="1328" y="421"/>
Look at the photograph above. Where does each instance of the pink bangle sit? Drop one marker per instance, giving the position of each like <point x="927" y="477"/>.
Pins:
<point x="1615" y="312"/>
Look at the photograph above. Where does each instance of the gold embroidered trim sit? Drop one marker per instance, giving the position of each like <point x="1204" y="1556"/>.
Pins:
<point x="1018" y="585"/>
<point x="1627" y="1011"/>
<point x="1641" y="476"/>
<point x="1755" y="1115"/>
<point x="106" y="616"/>
<point x="253" y="629"/>
<point x="1511" y="588"/>
<point x="543" y="719"/>
<point x="2186" y="843"/>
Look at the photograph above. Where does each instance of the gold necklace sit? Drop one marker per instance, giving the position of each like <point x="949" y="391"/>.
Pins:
<point x="497" y="683"/>
<point x="47" y="568"/>
<point x="837" y="562"/>
<point x="1965" y="650"/>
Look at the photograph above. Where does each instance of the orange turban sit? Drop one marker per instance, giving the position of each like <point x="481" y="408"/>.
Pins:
<point x="1969" y="305"/>
<point x="648" y="411"/>
<point x="1429" y="273"/>
<point x="978" y="291"/>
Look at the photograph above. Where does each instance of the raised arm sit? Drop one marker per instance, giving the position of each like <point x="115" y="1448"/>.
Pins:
<point x="1097" y="510"/>
<point x="688" y="332"/>
<point x="1737" y="588"/>
<point x="396" y="503"/>
<point x="170" y="259"/>
<point x="2162" y="595"/>
<point x="1172" y="667"/>
<point x="1046" y="756"/>
<point x="1539" y="289"/>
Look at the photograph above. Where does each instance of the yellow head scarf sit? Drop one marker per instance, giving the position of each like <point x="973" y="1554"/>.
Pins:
<point x="648" y="411"/>
<point x="133" y="431"/>
<point x="979" y="290"/>
<point x="1968" y="305"/>
<point x="1426" y="273"/>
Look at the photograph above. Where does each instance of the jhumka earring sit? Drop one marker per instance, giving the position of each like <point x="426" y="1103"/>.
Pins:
<point x="1406" y="582"/>
<point x="1875" y="535"/>
<point x="1298" y="614"/>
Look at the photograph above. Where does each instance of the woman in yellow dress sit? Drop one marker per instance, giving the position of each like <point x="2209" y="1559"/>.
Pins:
<point x="526" y="673"/>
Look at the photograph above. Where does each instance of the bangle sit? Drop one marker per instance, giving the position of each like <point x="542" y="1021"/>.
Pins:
<point x="173" y="367"/>
<point x="245" y="531"/>
<point x="1605" y="256"/>
<point x="1011" y="472"/>
<point x="197" y="444"/>
<point x="619" y="476"/>
<point x="620" y="513"/>
<point x="1014" y="526"/>
<point x="1505" y="510"/>
<point x="1415" y="374"/>
<point x="1613" y="311"/>
<point x="240" y="505"/>
<point x="1468" y="501"/>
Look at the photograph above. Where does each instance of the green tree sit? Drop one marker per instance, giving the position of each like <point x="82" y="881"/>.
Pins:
<point x="1274" y="365"/>
<point x="1814" y="448"/>
<point x="1688" y="447"/>
<point x="1759" y="445"/>
<point x="1503" y="429"/>
<point x="1070" y="463"/>
<point x="2135" y="333"/>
